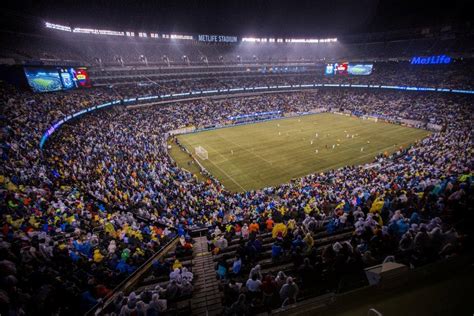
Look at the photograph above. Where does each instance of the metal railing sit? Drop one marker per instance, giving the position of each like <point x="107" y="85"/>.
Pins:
<point x="133" y="278"/>
<point x="374" y="312"/>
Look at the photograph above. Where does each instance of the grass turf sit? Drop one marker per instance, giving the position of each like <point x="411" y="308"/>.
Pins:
<point x="269" y="153"/>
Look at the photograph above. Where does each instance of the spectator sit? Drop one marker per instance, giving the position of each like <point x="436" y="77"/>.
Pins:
<point x="288" y="292"/>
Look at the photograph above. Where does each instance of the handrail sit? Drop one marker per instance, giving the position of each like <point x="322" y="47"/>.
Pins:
<point x="133" y="278"/>
<point x="374" y="312"/>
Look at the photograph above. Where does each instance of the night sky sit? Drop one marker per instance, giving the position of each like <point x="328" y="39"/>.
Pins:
<point x="244" y="17"/>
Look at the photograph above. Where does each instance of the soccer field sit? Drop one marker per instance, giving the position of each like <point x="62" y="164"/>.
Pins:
<point x="269" y="153"/>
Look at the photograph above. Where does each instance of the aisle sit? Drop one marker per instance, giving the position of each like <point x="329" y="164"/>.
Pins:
<point x="207" y="299"/>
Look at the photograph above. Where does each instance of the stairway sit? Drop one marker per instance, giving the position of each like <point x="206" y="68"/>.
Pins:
<point x="207" y="299"/>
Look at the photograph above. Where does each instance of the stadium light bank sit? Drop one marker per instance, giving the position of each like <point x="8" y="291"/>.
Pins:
<point x="288" y="40"/>
<point x="201" y="37"/>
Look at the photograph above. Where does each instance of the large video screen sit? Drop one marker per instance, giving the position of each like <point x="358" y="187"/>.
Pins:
<point x="47" y="79"/>
<point x="67" y="78"/>
<point x="348" y="69"/>
<point x="82" y="77"/>
<point x="337" y="69"/>
<point x="43" y="79"/>
<point x="360" y="69"/>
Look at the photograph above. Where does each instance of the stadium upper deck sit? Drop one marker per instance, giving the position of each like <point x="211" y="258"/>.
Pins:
<point x="62" y="44"/>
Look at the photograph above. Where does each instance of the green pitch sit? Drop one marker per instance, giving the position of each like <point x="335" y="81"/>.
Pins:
<point x="266" y="154"/>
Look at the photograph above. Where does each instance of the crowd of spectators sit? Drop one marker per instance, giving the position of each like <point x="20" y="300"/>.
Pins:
<point x="59" y="247"/>
<point x="157" y="299"/>
<point x="396" y="227"/>
<point x="85" y="212"/>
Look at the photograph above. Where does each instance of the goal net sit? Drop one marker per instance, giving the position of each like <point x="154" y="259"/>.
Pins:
<point x="201" y="152"/>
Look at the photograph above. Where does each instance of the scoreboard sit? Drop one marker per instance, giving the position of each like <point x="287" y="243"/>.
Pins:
<point x="48" y="79"/>
<point x="345" y="68"/>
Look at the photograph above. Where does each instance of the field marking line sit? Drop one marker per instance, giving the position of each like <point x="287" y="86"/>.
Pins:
<point x="210" y="147"/>
<point x="223" y="157"/>
<point x="245" y="149"/>
<point x="358" y="157"/>
<point x="226" y="174"/>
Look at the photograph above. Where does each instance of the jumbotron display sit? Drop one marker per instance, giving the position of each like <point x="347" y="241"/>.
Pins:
<point x="346" y="68"/>
<point x="49" y="79"/>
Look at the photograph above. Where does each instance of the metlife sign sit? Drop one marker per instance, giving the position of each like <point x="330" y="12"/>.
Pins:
<point x="217" y="38"/>
<point x="431" y="60"/>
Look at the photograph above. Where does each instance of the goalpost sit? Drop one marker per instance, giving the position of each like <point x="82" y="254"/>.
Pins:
<point x="201" y="152"/>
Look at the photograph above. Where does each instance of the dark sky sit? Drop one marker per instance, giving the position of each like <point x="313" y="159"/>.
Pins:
<point x="245" y="17"/>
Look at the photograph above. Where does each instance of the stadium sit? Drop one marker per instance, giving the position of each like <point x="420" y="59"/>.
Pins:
<point x="251" y="158"/>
